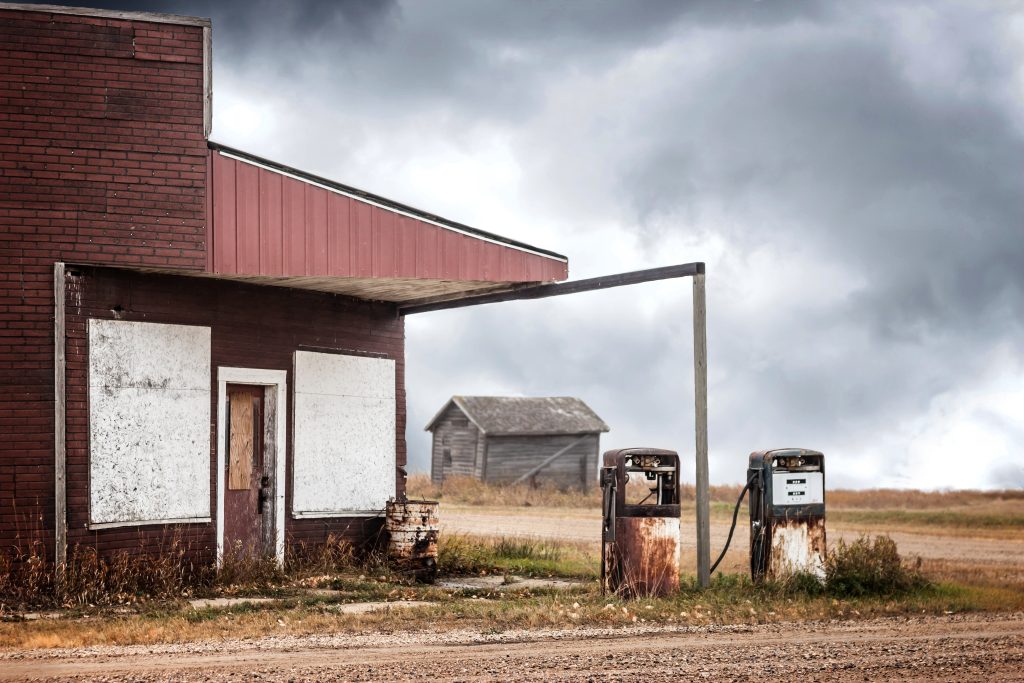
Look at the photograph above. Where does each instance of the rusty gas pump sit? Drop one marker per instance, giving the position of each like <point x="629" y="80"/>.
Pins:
<point x="640" y="532"/>
<point x="787" y="513"/>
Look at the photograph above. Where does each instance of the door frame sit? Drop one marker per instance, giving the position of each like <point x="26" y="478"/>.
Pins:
<point x="278" y="403"/>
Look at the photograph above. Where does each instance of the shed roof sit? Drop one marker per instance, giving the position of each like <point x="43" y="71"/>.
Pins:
<point x="527" y="415"/>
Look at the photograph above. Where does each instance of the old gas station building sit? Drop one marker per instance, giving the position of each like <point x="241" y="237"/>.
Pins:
<point x="195" y="340"/>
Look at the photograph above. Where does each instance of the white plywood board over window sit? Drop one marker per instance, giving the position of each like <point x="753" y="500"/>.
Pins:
<point x="149" y="423"/>
<point x="344" y="434"/>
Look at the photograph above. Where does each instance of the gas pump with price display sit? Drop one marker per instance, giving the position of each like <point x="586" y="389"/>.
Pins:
<point x="787" y="513"/>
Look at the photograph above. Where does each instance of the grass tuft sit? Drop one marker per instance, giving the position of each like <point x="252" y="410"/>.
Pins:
<point x="462" y="554"/>
<point x="869" y="567"/>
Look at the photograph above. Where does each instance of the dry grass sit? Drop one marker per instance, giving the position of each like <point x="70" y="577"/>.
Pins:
<point x="470" y="491"/>
<point x="731" y="600"/>
<point x="162" y="571"/>
<point x="465" y="554"/>
<point x="988" y="513"/>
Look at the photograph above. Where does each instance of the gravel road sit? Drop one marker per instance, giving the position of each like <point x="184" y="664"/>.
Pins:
<point x="956" y="648"/>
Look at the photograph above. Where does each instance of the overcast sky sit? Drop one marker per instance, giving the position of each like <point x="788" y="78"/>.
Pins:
<point x="852" y="173"/>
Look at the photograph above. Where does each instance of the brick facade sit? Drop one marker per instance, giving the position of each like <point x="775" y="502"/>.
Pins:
<point x="253" y="327"/>
<point x="102" y="161"/>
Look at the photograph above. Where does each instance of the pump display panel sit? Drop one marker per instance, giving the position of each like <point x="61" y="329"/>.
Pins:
<point x="798" y="488"/>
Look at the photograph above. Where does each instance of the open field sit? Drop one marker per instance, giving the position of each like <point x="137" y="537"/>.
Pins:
<point x="965" y="536"/>
<point x="953" y="553"/>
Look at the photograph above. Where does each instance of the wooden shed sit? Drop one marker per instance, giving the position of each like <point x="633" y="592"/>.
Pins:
<point x="510" y="439"/>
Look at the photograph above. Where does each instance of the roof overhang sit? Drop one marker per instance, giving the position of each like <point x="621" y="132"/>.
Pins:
<point x="273" y="224"/>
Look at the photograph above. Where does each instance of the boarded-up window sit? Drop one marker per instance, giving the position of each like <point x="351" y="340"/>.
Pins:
<point x="344" y="434"/>
<point x="149" y="422"/>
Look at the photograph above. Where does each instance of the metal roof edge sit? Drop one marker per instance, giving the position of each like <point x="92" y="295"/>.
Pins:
<point x="155" y="17"/>
<point x="381" y="202"/>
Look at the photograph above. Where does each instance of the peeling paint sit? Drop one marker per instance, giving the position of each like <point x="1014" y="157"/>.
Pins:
<point x="149" y="417"/>
<point x="344" y="434"/>
<point x="798" y="546"/>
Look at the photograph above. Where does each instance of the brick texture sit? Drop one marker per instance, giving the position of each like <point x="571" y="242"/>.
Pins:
<point x="252" y="326"/>
<point x="102" y="161"/>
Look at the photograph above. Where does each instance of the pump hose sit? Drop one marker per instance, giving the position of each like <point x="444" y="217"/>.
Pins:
<point x="735" y="514"/>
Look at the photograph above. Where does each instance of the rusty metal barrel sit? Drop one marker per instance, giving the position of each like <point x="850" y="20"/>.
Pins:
<point x="412" y="528"/>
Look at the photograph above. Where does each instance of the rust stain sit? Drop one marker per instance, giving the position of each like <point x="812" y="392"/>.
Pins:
<point x="412" y="530"/>
<point x="798" y="546"/>
<point x="644" y="560"/>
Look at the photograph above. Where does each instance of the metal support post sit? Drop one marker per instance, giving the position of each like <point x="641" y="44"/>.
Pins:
<point x="700" y="384"/>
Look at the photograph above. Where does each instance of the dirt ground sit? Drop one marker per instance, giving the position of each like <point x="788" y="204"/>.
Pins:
<point x="957" y="648"/>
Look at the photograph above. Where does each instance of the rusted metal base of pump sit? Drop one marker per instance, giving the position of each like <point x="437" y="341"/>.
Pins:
<point x="644" y="559"/>
<point x="797" y="547"/>
<point x="412" y="528"/>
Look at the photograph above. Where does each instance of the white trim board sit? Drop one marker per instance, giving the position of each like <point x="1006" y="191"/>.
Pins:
<point x="155" y="522"/>
<point x="267" y="378"/>
<point x="314" y="514"/>
<point x="60" y="534"/>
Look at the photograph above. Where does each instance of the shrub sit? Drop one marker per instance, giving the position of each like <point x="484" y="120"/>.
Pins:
<point x="869" y="567"/>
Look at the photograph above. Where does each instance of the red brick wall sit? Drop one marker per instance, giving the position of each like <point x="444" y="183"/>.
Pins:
<point x="102" y="160"/>
<point x="252" y="326"/>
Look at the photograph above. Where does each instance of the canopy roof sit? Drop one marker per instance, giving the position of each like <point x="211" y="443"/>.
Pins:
<point x="274" y="224"/>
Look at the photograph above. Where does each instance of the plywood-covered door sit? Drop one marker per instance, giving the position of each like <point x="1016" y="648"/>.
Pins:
<point x="245" y="481"/>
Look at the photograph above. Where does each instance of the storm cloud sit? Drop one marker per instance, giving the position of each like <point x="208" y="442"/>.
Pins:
<point x="851" y="173"/>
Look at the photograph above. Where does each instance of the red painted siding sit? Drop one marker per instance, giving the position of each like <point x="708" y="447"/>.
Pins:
<point x="324" y="233"/>
<point x="102" y="160"/>
<point x="252" y="326"/>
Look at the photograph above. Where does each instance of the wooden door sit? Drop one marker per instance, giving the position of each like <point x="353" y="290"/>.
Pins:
<point x="245" y="483"/>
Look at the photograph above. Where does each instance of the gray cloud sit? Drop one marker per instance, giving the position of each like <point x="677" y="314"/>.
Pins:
<point x="851" y="172"/>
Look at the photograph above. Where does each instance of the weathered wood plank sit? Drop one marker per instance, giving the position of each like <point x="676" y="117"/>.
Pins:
<point x="59" y="419"/>
<point x="240" y="450"/>
<point x="455" y="435"/>
<point x="509" y="457"/>
<point x="557" y="289"/>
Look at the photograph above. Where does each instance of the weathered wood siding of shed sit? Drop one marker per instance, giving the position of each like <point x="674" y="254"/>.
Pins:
<point x="509" y="457"/>
<point x="454" y="432"/>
